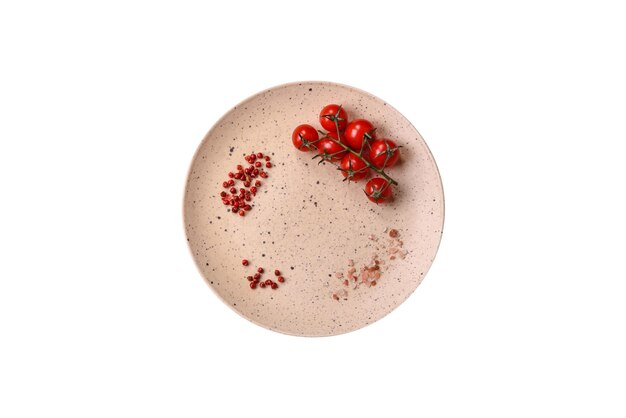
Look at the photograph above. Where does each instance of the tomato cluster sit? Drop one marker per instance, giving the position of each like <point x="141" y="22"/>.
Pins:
<point x="353" y="146"/>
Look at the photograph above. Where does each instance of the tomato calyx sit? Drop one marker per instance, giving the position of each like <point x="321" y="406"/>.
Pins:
<point x="388" y="152"/>
<point x="334" y="117"/>
<point x="378" y="190"/>
<point x="384" y="153"/>
<point x="327" y="157"/>
<point x="367" y="137"/>
<point x="306" y="143"/>
<point x="376" y="193"/>
<point x="350" y="174"/>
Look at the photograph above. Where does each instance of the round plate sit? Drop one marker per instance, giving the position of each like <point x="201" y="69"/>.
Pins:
<point x="308" y="223"/>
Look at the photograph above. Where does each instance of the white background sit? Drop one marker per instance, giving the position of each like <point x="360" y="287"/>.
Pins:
<point x="102" y="311"/>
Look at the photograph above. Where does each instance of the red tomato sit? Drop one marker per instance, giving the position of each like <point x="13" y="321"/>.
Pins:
<point x="328" y="115"/>
<point x="384" y="153"/>
<point x="304" y="137"/>
<point x="353" y="168"/>
<point x="357" y="131"/>
<point x="378" y="190"/>
<point x="330" y="148"/>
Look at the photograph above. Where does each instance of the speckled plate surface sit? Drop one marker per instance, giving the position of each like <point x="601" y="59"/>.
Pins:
<point x="305" y="221"/>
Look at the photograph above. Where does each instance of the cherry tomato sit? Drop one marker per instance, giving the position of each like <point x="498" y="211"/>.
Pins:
<point x="378" y="190"/>
<point x="328" y="146"/>
<point x="303" y="137"/>
<point x="353" y="168"/>
<point x="357" y="131"/>
<point x="328" y="115"/>
<point x="384" y="153"/>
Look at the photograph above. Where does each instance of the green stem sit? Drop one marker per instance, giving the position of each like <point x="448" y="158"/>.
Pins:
<point x="358" y="154"/>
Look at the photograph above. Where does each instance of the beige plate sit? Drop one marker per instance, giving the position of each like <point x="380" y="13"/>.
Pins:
<point x="305" y="221"/>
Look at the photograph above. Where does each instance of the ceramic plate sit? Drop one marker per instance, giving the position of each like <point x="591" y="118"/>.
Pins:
<point x="306" y="222"/>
